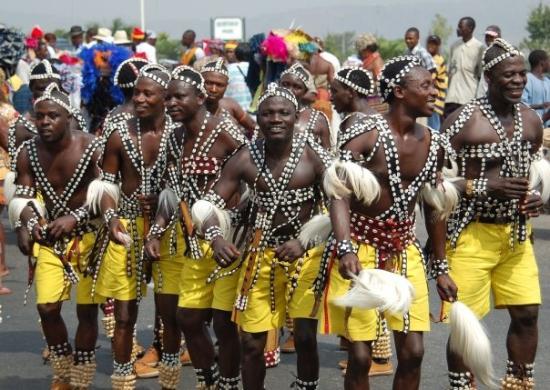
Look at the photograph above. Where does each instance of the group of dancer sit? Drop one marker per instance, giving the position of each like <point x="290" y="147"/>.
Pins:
<point x="241" y="228"/>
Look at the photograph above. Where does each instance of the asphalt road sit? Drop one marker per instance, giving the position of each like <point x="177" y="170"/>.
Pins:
<point x="21" y="340"/>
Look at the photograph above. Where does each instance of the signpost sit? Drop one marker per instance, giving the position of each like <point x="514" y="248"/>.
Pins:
<point x="227" y="29"/>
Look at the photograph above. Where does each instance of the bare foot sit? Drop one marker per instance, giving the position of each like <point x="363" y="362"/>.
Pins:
<point x="4" y="290"/>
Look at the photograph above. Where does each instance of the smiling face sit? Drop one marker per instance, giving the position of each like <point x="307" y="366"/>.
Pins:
<point x="507" y="79"/>
<point x="295" y="85"/>
<point x="182" y="100"/>
<point x="216" y="84"/>
<point x="148" y="98"/>
<point x="411" y="39"/>
<point x="276" y="118"/>
<point x="52" y="121"/>
<point x="418" y="93"/>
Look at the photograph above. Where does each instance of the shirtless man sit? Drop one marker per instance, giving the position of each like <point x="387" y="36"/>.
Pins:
<point x="216" y="78"/>
<point x="190" y="273"/>
<point x="495" y="143"/>
<point x="133" y="164"/>
<point x="283" y="172"/>
<point x="388" y="162"/>
<point x="60" y="163"/>
<point x="298" y="80"/>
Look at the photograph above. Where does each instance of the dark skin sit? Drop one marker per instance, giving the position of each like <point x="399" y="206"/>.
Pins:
<point x="60" y="148"/>
<point x="414" y="99"/>
<point x="276" y="118"/>
<point x="539" y="71"/>
<point x="347" y="100"/>
<point x="42" y="51"/>
<point x="186" y="105"/>
<point x="506" y="81"/>
<point x="411" y="39"/>
<point x="77" y="40"/>
<point x="317" y="66"/>
<point x="148" y="100"/>
<point x="464" y="30"/>
<point x="216" y="84"/>
<point x="188" y="39"/>
<point x="320" y="130"/>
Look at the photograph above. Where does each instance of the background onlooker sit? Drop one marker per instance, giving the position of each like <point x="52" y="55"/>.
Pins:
<point x="441" y="80"/>
<point x="237" y="56"/>
<point x="537" y="90"/>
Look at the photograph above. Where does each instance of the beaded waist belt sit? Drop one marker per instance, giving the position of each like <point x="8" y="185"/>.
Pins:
<point x="389" y="237"/>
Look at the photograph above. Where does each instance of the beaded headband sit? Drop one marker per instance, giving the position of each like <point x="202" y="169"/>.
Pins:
<point x="62" y="99"/>
<point x="274" y="90"/>
<point x="299" y="71"/>
<point x="50" y="74"/>
<point x="147" y="71"/>
<point x="391" y="83"/>
<point x="509" y="51"/>
<point x="218" y="66"/>
<point x="131" y="64"/>
<point x="179" y="74"/>
<point x="344" y="79"/>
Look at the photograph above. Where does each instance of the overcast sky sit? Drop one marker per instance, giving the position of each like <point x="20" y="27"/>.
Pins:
<point x="389" y="18"/>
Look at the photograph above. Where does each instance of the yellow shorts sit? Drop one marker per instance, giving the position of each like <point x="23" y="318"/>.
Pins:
<point x="49" y="278"/>
<point x="167" y="271"/>
<point x="483" y="262"/>
<point x="361" y="324"/>
<point x="196" y="293"/>
<point x="112" y="281"/>
<point x="258" y="317"/>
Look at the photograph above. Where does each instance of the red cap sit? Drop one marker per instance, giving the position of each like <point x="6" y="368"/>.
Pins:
<point x="137" y="33"/>
<point x="37" y="32"/>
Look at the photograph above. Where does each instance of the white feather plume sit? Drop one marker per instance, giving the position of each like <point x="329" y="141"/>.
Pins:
<point x="17" y="205"/>
<point x="379" y="289"/>
<point x="469" y="340"/>
<point x="540" y="177"/>
<point x="344" y="177"/>
<point x="168" y="201"/>
<point x="452" y="172"/>
<point x="443" y="198"/>
<point x="9" y="185"/>
<point x="317" y="229"/>
<point x="202" y="210"/>
<point x="96" y="190"/>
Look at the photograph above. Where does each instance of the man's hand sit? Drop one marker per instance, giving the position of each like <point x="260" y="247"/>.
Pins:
<point x="148" y="203"/>
<point x="532" y="204"/>
<point x="508" y="187"/>
<point x="349" y="265"/>
<point x="117" y="232"/>
<point x="24" y="242"/>
<point x="290" y="251"/>
<point x="61" y="226"/>
<point x="152" y="249"/>
<point x="225" y="253"/>
<point x="446" y="288"/>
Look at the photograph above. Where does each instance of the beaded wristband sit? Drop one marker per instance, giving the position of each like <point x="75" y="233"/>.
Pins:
<point x="343" y="247"/>
<point x="31" y="223"/>
<point x="439" y="267"/>
<point x="18" y="224"/>
<point x="212" y="233"/>
<point x="24" y="191"/>
<point x="108" y="215"/>
<point x="81" y="215"/>
<point x="156" y="231"/>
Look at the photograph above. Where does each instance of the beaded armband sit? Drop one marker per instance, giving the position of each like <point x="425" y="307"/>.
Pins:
<point x="343" y="247"/>
<point x="156" y="231"/>
<point x="109" y="177"/>
<point x="24" y="191"/>
<point x="18" y="224"/>
<point x="108" y="215"/>
<point x="212" y="233"/>
<point x="215" y="199"/>
<point x="82" y="215"/>
<point x="439" y="267"/>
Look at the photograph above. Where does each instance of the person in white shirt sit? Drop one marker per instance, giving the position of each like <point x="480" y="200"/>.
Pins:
<point x="148" y="46"/>
<point x="464" y="66"/>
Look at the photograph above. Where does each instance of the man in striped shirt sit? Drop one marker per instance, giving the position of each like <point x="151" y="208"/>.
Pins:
<point x="441" y="80"/>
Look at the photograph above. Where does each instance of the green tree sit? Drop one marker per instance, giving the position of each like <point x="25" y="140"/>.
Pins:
<point x="119" y="24"/>
<point x="340" y="44"/>
<point x="61" y="33"/>
<point x="538" y="27"/>
<point x="390" y="48"/>
<point x="167" y="48"/>
<point x="441" y="28"/>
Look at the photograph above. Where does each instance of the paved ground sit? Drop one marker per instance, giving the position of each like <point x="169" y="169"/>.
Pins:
<point x="21" y="341"/>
